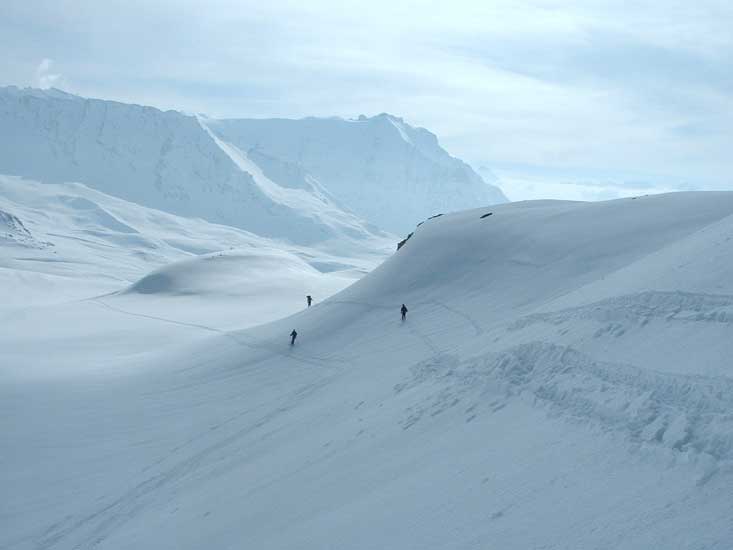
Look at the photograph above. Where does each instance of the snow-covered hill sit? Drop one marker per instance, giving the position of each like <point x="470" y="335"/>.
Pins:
<point x="60" y="242"/>
<point x="383" y="169"/>
<point x="562" y="381"/>
<point x="294" y="180"/>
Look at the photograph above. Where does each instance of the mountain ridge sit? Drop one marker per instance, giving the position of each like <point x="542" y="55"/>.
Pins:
<point x="172" y="161"/>
<point x="388" y="172"/>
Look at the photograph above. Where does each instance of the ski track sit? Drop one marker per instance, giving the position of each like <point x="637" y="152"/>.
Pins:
<point x="667" y="408"/>
<point x="251" y="342"/>
<point x="156" y="318"/>
<point x="237" y="337"/>
<point x="477" y="327"/>
<point x="688" y="415"/>
<point x="99" y="525"/>
<point x="91" y="530"/>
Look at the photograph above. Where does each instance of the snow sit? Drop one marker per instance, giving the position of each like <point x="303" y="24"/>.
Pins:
<point x="62" y="242"/>
<point x="162" y="160"/>
<point x="561" y="381"/>
<point x="381" y="168"/>
<point x="313" y="182"/>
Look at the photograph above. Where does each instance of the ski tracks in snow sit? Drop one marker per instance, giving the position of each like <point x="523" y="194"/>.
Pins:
<point x="414" y="320"/>
<point x="155" y="318"/>
<point x="251" y="342"/>
<point x="239" y="338"/>
<point x="91" y="530"/>
<point x="216" y="444"/>
<point x="686" y="415"/>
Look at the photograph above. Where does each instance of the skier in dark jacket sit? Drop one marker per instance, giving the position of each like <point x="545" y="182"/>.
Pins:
<point x="293" y="336"/>
<point x="403" y="310"/>
<point x="310" y="299"/>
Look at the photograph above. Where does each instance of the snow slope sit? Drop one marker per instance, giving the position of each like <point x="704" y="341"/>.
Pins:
<point x="383" y="169"/>
<point x="562" y="381"/>
<point x="61" y="242"/>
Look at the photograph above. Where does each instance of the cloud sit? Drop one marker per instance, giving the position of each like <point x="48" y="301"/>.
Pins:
<point x="583" y="86"/>
<point x="523" y="187"/>
<point x="44" y="77"/>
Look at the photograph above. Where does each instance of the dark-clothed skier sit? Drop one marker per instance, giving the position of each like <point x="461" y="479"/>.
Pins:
<point x="403" y="310"/>
<point x="293" y="336"/>
<point x="310" y="299"/>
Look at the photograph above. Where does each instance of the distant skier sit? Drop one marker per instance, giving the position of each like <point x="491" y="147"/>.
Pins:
<point x="310" y="299"/>
<point x="403" y="310"/>
<point x="293" y="336"/>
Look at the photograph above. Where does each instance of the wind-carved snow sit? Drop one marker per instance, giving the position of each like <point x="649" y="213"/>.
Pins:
<point x="640" y="309"/>
<point x="688" y="414"/>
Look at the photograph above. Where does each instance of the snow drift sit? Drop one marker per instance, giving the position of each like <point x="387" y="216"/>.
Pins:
<point x="561" y="381"/>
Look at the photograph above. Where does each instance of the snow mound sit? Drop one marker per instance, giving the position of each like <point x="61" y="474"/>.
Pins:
<point x="238" y="288"/>
<point x="64" y="241"/>
<point x="234" y="273"/>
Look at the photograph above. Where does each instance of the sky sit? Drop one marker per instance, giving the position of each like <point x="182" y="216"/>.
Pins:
<point x="577" y="99"/>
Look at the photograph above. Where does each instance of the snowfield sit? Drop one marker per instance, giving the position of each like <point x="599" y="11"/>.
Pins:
<point x="563" y="380"/>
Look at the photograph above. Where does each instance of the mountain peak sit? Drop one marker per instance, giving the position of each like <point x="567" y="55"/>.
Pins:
<point x="45" y="93"/>
<point x="311" y="172"/>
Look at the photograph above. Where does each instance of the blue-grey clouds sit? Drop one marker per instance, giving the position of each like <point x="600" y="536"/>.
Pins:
<point x="589" y="93"/>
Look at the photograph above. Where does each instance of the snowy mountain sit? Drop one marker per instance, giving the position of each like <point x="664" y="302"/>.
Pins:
<point x="163" y="160"/>
<point x="562" y="381"/>
<point x="293" y="180"/>
<point x="383" y="169"/>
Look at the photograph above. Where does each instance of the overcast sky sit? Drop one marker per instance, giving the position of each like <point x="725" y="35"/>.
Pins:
<point x="582" y="99"/>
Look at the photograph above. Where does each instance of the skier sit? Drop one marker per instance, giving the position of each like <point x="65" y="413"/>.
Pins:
<point x="293" y="336"/>
<point x="403" y="310"/>
<point x="310" y="299"/>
